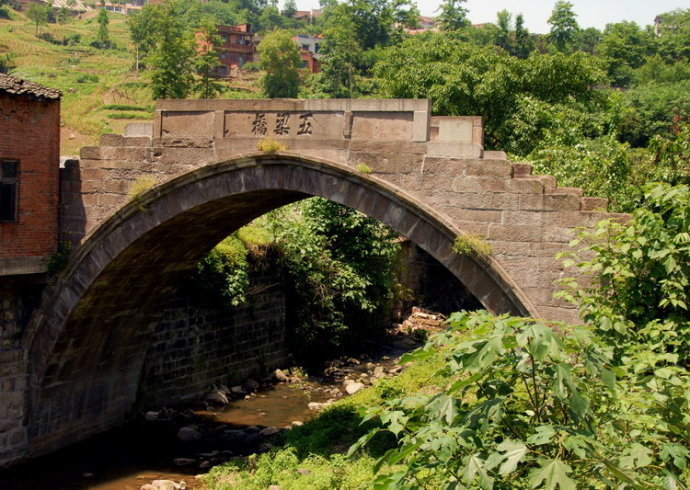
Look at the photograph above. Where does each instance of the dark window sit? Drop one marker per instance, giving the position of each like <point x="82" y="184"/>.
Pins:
<point x="9" y="173"/>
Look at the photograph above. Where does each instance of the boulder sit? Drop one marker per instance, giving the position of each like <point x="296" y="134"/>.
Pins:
<point x="269" y="431"/>
<point x="251" y="385"/>
<point x="216" y="398"/>
<point x="151" y="416"/>
<point x="279" y="375"/>
<point x="188" y="433"/>
<point x="353" y="388"/>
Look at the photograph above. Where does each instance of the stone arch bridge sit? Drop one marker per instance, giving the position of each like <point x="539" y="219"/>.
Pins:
<point x="427" y="177"/>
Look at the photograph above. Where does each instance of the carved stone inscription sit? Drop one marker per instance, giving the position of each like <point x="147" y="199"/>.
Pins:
<point x="304" y="124"/>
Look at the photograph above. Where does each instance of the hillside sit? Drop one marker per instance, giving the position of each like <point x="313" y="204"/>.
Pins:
<point x="102" y="90"/>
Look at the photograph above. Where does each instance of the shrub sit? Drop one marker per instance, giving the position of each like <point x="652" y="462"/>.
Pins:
<point x="269" y="145"/>
<point x="222" y="275"/>
<point x="471" y="245"/>
<point x="531" y="404"/>
<point x="87" y="78"/>
<point x="364" y="168"/>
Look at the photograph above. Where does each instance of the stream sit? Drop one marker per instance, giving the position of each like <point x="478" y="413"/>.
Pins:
<point x="179" y="444"/>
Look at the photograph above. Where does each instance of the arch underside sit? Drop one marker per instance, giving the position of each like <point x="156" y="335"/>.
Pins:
<point x="88" y="346"/>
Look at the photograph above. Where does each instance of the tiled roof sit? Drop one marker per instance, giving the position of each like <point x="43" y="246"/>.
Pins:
<point x="17" y="86"/>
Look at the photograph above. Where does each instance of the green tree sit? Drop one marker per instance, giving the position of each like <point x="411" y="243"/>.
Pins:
<point x="674" y="35"/>
<point x="563" y="25"/>
<point x="587" y="40"/>
<point x="516" y="41"/>
<point x="375" y="19"/>
<point x="504" y="35"/>
<point x="625" y="46"/>
<point x="39" y="14"/>
<point x="279" y="57"/>
<point x="290" y="8"/>
<point x="340" y="270"/>
<point x="523" y="44"/>
<point x="270" y="19"/>
<point x="452" y="16"/>
<point x="340" y="54"/>
<point x="171" y="58"/>
<point x="462" y="79"/>
<point x="206" y="62"/>
<point x="143" y="29"/>
<point x="102" y="37"/>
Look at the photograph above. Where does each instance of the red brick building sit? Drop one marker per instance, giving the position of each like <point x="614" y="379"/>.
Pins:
<point x="29" y="175"/>
<point x="236" y="48"/>
<point x="309" y="47"/>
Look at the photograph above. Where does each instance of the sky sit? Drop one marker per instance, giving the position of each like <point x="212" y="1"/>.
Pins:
<point x="590" y="13"/>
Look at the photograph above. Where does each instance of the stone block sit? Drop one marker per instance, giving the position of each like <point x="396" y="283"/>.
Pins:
<point x="520" y="169"/>
<point x="573" y="191"/>
<point x="548" y="182"/>
<point x="557" y="234"/>
<point x="90" y="153"/>
<point x="137" y="141"/>
<point x="444" y="166"/>
<point x="479" y="184"/>
<point x="495" y="155"/>
<point x="139" y="130"/>
<point x="480" y="215"/>
<point x="451" y="149"/>
<point x="594" y="204"/>
<point x="519" y="233"/>
<point x="523" y="217"/>
<point x="395" y="126"/>
<point x="562" y="202"/>
<point x="421" y="126"/>
<point x="455" y="129"/>
<point x="112" y="140"/>
<point x="484" y="167"/>
<point x="509" y="248"/>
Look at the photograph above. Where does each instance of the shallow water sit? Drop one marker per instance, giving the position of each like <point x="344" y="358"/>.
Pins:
<point x="126" y="458"/>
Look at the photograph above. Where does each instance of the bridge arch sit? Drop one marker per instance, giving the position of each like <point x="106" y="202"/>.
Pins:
<point x="87" y="343"/>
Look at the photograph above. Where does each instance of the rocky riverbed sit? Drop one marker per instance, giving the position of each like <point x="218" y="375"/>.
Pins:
<point x="167" y="449"/>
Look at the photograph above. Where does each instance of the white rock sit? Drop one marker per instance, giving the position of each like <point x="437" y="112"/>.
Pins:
<point x="279" y="375"/>
<point x="150" y="416"/>
<point x="314" y="406"/>
<point x="353" y="388"/>
<point x="297" y="423"/>
<point x="348" y="381"/>
<point x="165" y="485"/>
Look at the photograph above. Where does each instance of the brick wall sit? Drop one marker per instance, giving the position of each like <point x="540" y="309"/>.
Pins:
<point x="196" y="345"/>
<point x="30" y="132"/>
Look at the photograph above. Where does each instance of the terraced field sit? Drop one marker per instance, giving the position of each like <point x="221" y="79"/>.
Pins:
<point x="102" y="90"/>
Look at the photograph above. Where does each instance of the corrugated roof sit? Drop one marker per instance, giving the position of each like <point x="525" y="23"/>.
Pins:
<point x="17" y="86"/>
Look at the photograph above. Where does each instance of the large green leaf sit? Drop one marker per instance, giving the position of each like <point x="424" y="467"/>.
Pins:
<point x="551" y="474"/>
<point x="508" y="454"/>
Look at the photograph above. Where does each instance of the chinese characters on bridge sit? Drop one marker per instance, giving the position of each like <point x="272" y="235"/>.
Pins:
<point x="281" y="126"/>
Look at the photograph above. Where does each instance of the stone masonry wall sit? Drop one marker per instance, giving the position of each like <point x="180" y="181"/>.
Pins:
<point x="197" y="345"/>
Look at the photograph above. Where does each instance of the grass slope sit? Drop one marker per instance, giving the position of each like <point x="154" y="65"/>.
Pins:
<point x="102" y="91"/>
